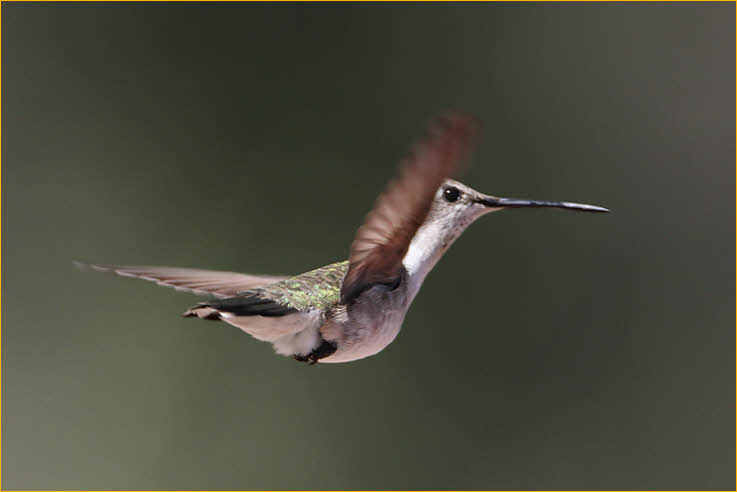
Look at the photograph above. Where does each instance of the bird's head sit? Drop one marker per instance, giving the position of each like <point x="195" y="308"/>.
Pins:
<point x="459" y="205"/>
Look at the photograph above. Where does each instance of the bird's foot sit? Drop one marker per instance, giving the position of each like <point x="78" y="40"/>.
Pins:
<point x="326" y="348"/>
<point x="309" y="358"/>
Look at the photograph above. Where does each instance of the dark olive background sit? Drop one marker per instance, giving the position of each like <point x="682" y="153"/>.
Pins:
<point x="547" y="350"/>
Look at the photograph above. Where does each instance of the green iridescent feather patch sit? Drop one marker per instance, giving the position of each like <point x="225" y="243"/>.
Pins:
<point x="316" y="289"/>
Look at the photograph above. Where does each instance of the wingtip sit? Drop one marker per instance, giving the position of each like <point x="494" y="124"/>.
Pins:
<point x="456" y="116"/>
<point x="85" y="266"/>
<point x="82" y="266"/>
<point x="465" y="125"/>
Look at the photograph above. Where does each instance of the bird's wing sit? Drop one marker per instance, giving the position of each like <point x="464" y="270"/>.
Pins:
<point x="219" y="284"/>
<point x="382" y="241"/>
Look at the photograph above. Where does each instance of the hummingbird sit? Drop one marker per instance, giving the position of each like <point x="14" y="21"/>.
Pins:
<point x="353" y="309"/>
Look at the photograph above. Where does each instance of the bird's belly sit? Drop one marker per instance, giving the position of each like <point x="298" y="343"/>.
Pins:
<point x="270" y="329"/>
<point x="356" y="341"/>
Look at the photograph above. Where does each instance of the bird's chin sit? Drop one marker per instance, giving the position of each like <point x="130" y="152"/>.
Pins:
<point x="487" y="210"/>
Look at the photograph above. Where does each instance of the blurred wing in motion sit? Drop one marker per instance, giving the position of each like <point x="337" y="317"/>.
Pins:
<point x="206" y="282"/>
<point x="382" y="241"/>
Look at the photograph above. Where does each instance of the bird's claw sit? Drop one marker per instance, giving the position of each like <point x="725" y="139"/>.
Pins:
<point x="310" y="359"/>
<point x="325" y="349"/>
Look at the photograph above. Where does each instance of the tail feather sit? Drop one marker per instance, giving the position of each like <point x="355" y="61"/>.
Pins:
<point x="202" y="313"/>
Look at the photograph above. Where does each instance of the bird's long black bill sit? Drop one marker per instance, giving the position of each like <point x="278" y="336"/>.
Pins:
<point x="515" y="203"/>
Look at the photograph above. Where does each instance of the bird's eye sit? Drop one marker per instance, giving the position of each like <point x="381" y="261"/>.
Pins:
<point x="452" y="194"/>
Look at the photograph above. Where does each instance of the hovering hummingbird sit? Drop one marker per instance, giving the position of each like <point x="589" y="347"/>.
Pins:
<point x="353" y="309"/>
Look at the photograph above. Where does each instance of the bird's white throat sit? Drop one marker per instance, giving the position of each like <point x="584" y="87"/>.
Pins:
<point x="429" y="244"/>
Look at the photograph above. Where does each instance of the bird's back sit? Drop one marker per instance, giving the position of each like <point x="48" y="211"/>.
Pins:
<point x="317" y="289"/>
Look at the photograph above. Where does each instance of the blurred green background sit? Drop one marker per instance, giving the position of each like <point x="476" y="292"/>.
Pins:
<point x="547" y="350"/>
